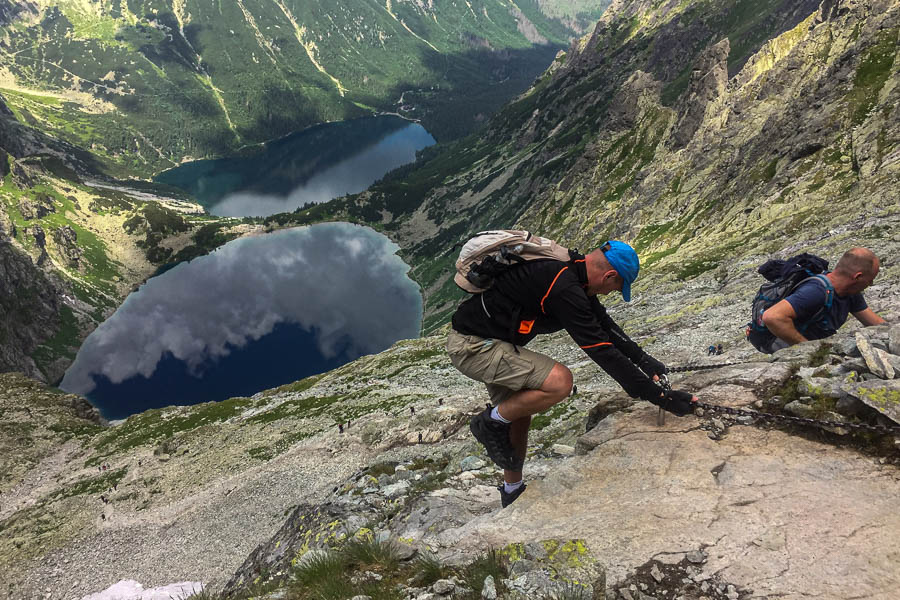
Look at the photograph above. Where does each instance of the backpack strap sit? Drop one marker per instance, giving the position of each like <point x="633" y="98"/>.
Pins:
<point x="829" y="300"/>
<point x="823" y="315"/>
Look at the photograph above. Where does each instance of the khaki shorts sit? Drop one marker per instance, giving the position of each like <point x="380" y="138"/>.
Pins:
<point x="498" y="365"/>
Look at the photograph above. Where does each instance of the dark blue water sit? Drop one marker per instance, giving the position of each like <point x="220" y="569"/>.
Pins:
<point x="310" y="166"/>
<point x="287" y="354"/>
<point x="255" y="314"/>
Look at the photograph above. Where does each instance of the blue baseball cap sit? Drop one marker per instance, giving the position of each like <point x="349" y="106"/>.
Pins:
<point x="624" y="260"/>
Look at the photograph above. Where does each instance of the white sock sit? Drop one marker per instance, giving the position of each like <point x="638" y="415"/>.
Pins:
<point x="511" y="487"/>
<point x="495" y="415"/>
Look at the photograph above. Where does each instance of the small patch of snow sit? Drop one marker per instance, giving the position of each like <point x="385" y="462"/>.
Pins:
<point x="132" y="590"/>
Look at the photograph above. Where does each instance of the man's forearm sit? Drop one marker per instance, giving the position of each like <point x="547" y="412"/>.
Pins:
<point x="784" y="329"/>
<point x="868" y="318"/>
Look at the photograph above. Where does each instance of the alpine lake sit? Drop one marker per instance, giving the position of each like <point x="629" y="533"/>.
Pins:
<point x="262" y="311"/>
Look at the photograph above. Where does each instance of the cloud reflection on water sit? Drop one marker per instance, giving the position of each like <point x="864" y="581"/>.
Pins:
<point x="341" y="280"/>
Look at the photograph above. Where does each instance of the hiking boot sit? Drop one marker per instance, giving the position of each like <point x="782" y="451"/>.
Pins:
<point x="507" y="498"/>
<point x="494" y="436"/>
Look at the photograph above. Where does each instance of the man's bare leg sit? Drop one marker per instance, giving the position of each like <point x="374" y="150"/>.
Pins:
<point x="518" y="437"/>
<point x="521" y="405"/>
<point x="524" y="403"/>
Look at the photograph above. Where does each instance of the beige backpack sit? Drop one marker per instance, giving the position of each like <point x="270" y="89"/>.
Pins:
<point x="489" y="253"/>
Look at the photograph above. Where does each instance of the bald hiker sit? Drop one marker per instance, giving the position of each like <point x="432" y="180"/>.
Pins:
<point x="540" y="296"/>
<point x="817" y="306"/>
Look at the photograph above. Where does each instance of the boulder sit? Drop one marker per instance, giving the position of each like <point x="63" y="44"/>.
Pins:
<point x="446" y="507"/>
<point x="66" y="238"/>
<point x="849" y="405"/>
<point x="883" y="396"/>
<point x="758" y="376"/>
<point x="873" y="357"/>
<point x="37" y="208"/>
<point x="845" y="345"/>
<point x="396" y="490"/>
<point x="877" y="335"/>
<point x="798" y="409"/>
<point x="471" y="463"/>
<point x="798" y="353"/>
<point x="823" y="386"/>
<point x="893" y="360"/>
<point x="21" y="177"/>
<point x="443" y="587"/>
<point x="894" y="339"/>
<point x="40" y="240"/>
<point x="489" y="589"/>
<point x="563" y="450"/>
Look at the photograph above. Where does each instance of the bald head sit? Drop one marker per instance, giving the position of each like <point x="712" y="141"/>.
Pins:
<point x="855" y="271"/>
<point x="858" y="260"/>
<point x="599" y="259"/>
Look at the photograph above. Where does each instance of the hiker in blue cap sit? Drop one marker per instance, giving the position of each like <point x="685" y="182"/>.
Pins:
<point x="491" y="328"/>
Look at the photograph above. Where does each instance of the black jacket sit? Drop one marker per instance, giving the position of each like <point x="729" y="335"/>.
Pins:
<point x="544" y="296"/>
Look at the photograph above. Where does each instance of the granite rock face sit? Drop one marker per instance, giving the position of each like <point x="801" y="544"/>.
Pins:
<point x="27" y="295"/>
<point x="807" y="114"/>
<point x="750" y="500"/>
<point x="66" y="241"/>
<point x="709" y="78"/>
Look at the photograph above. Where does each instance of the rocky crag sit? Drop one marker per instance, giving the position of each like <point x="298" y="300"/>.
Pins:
<point x="690" y="507"/>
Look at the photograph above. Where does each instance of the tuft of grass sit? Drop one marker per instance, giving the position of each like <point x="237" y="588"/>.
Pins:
<point x="568" y="590"/>
<point x="544" y="419"/>
<point x="383" y="468"/>
<point x="818" y="358"/>
<point x="697" y="267"/>
<point x="201" y="595"/>
<point x="429" y="569"/>
<point x="369" y="553"/>
<point x="871" y="75"/>
<point x="93" y="485"/>
<point x="490" y="563"/>
<point x="320" y="568"/>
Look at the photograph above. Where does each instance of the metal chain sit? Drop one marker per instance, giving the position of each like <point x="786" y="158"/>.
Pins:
<point x="686" y="368"/>
<point x="741" y="412"/>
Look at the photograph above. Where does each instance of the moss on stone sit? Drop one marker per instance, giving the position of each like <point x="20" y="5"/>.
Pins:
<point x="871" y="75"/>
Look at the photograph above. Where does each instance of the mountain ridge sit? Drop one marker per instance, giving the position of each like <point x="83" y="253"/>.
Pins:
<point x="168" y="81"/>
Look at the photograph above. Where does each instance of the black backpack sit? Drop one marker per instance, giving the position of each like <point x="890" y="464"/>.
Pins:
<point x="784" y="276"/>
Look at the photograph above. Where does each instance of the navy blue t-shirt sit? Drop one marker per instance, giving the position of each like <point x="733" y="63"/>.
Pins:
<point x="809" y="298"/>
